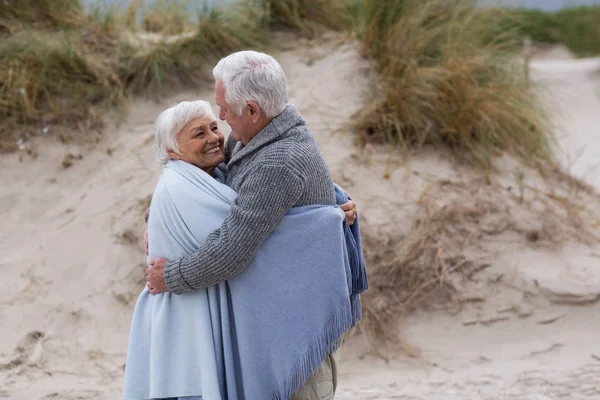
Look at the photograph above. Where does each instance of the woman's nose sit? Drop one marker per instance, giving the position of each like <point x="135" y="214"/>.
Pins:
<point x="213" y="137"/>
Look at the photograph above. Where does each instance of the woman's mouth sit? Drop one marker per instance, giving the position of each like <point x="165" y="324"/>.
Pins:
<point x="212" y="151"/>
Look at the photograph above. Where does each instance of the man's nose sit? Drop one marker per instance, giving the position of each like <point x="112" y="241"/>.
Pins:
<point x="221" y="115"/>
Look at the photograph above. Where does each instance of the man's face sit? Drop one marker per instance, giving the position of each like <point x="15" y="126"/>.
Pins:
<point x="239" y="123"/>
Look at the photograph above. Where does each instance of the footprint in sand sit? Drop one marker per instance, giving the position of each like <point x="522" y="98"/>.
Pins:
<point x="29" y="351"/>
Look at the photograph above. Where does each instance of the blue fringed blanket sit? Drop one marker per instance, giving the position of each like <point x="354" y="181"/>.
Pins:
<point x="260" y="335"/>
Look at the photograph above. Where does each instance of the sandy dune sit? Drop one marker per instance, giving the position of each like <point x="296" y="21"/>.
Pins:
<point x="573" y="87"/>
<point x="72" y="264"/>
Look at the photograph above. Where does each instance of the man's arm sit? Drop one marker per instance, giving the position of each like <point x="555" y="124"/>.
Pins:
<point x="262" y="201"/>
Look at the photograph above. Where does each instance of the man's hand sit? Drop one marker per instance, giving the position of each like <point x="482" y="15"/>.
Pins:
<point x="155" y="276"/>
<point x="350" y="211"/>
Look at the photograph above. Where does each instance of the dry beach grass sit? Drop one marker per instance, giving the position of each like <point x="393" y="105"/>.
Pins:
<point x="448" y="241"/>
<point x="441" y="84"/>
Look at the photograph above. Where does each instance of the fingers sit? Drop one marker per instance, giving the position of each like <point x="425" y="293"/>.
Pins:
<point x="158" y="262"/>
<point x="349" y="205"/>
<point x="350" y="217"/>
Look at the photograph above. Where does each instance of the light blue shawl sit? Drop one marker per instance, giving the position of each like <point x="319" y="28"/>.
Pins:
<point x="258" y="336"/>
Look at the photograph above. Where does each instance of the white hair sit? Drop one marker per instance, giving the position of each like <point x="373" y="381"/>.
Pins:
<point x="253" y="76"/>
<point x="171" y="121"/>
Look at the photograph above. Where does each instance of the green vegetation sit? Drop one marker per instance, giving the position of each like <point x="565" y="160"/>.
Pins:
<point x="63" y="67"/>
<point x="306" y="16"/>
<point x="448" y="72"/>
<point x="151" y="69"/>
<point x="578" y="28"/>
<point x="52" y="77"/>
<point x="16" y="15"/>
<point x="446" y="81"/>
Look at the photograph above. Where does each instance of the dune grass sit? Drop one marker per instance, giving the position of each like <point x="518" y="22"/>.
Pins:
<point x="16" y="15"/>
<point x="307" y="16"/>
<point x="62" y="67"/>
<point x="48" y="77"/>
<point x="167" y="17"/>
<point x="448" y="76"/>
<point x="151" y="70"/>
<point x="444" y="81"/>
<point x="578" y="28"/>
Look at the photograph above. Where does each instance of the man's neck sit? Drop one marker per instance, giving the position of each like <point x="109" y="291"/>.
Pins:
<point x="260" y="126"/>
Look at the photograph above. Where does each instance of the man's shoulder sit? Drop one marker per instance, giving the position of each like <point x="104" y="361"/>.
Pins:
<point x="295" y="146"/>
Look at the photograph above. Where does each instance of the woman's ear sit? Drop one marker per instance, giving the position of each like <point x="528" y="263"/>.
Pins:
<point x="173" y="155"/>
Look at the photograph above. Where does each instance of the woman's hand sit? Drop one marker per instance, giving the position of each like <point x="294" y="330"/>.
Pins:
<point x="155" y="276"/>
<point x="350" y="211"/>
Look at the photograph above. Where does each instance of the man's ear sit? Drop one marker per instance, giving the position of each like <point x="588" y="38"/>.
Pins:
<point x="173" y="155"/>
<point x="255" y="111"/>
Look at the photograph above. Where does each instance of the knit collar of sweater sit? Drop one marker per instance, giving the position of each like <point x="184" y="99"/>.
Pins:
<point x="279" y="126"/>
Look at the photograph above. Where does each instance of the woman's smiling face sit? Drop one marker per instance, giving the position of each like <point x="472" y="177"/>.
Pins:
<point x="201" y="144"/>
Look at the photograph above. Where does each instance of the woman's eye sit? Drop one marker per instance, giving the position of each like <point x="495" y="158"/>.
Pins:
<point x="215" y="128"/>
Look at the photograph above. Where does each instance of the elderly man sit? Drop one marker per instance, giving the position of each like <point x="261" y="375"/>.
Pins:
<point x="274" y="164"/>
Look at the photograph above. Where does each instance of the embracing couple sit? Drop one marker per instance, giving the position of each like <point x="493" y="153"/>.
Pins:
<point x="255" y="261"/>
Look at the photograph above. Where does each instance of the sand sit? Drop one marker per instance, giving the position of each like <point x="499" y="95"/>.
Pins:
<point x="72" y="263"/>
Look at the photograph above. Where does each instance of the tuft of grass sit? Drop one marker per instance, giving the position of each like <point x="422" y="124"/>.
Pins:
<point x="378" y="21"/>
<point x="48" y="78"/>
<point x="16" y="15"/>
<point x="167" y="17"/>
<point x="150" y="71"/>
<point x="445" y="82"/>
<point x="578" y="28"/>
<point x="68" y="77"/>
<point x="189" y="58"/>
<point x="306" y="16"/>
<point x="428" y="264"/>
<point x="222" y="32"/>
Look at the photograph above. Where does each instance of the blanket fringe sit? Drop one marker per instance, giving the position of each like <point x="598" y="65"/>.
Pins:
<point x="354" y="247"/>
<point x="341" y="322"/>
<point x="356" y="307"/>
<point x="356" y="259"/>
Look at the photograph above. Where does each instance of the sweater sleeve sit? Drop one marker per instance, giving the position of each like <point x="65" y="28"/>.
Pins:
<point x="263" y="200"/>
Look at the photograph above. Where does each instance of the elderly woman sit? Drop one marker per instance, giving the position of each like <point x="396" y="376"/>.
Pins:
<point x="207" y="344"/>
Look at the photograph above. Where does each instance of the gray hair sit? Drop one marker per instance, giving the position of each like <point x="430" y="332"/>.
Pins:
<point x="171" y="121"/>
<point x="253" y="76"/>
